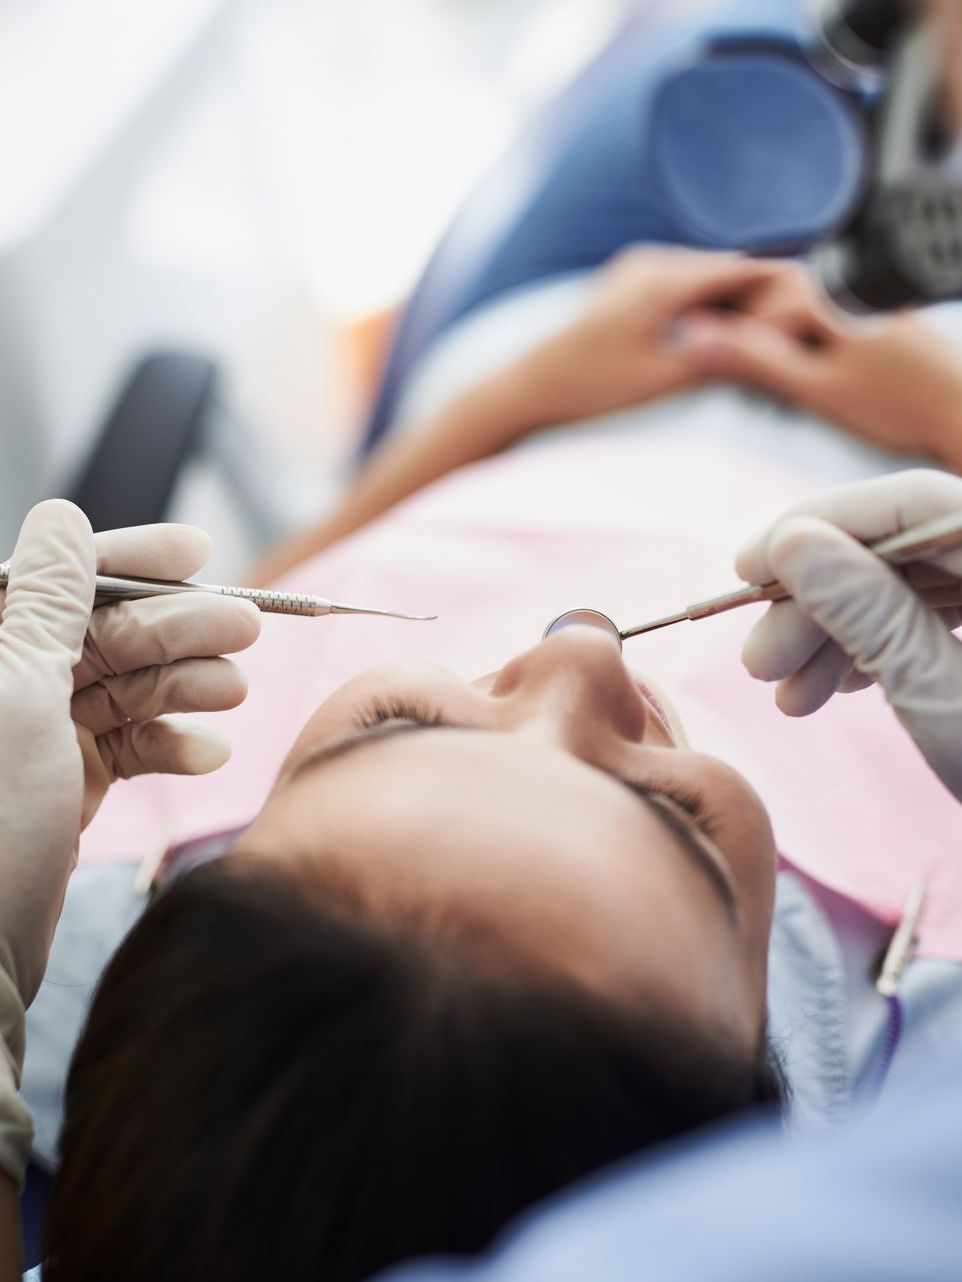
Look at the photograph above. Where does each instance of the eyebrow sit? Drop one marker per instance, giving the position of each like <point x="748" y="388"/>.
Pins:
<point x="690" y="836"/>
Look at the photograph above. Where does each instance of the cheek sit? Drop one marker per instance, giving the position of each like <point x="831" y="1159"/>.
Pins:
<point x="335" y="715"/>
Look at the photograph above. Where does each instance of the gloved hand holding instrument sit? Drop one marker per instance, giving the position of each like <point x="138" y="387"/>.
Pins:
<point x="83" y="694"/>
<point x="854" y="620"/>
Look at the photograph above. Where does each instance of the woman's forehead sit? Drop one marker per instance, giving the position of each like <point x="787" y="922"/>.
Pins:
<point x="524" y="845"/>
<point x="450" y="813"/>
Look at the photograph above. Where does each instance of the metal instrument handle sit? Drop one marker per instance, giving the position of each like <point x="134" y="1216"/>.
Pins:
<point x="265" y="599"/>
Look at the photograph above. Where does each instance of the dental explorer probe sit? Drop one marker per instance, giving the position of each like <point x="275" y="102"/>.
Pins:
<point x="916" y="544"/>
<point x="112" y="588"/>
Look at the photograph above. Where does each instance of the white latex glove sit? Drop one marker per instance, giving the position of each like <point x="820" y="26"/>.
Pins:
<point x="79" y="708"/>
<point x="80" y="698"/>
<point x="854" y="620"/>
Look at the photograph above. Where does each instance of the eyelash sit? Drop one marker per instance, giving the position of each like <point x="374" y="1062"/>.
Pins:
<point x="398" y="708"/>
<point x="692" y="804"/>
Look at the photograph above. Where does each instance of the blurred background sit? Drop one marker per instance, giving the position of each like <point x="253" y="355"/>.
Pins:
<point x="258" y="182"/>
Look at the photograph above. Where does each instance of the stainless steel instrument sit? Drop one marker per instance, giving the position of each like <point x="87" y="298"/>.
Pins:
<point x="916" y="544"/>
<point x="112" y="588"/>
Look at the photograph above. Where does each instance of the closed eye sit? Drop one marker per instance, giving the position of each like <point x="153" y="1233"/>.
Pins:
<point x="694" y="836"/>
<point x="692" y="803"/>
<point x="378" y="711"/>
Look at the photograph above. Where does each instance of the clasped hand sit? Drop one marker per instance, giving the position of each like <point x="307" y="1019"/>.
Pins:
<point x="661" y="320"/>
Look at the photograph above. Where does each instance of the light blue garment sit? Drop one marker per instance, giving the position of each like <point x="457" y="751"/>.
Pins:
<point x="101" y="906"/>
<point x="826" y="1019"/>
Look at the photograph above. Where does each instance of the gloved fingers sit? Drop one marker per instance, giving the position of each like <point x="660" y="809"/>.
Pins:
<point x="809" y="689"/>
<point x="782" y="641"/>
<point x="868" y="511"/>
<point x="855" y="682"/>
<point x="785" y="640"/>
<point x="189" y="685"/>
<point x="951" y="619"/>
<point x="167" y="551"/>
<point x="931" y="709"/>
<point x="128" y="635"/>
<point x="869" y="610"/>
<point x="48" y="599"/>
<point x="161" y="747"/>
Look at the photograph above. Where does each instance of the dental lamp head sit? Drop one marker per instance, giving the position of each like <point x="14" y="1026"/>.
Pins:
<point x="903" y="245"/>
<point x="832" y="142"/>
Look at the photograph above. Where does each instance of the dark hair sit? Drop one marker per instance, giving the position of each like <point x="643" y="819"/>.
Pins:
<point x="268" y="1088"/>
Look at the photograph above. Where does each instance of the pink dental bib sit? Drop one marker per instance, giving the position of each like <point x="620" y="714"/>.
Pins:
<point x="636" y="526"/>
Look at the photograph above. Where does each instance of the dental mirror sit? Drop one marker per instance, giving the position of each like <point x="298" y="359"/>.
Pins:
<point x="581" y="619"/>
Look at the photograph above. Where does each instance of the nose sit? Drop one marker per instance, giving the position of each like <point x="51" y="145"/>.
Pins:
<point x="575" y="689"/>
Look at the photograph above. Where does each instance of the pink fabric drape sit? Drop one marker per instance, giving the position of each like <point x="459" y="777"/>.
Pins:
<point x="633" y="525"/>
